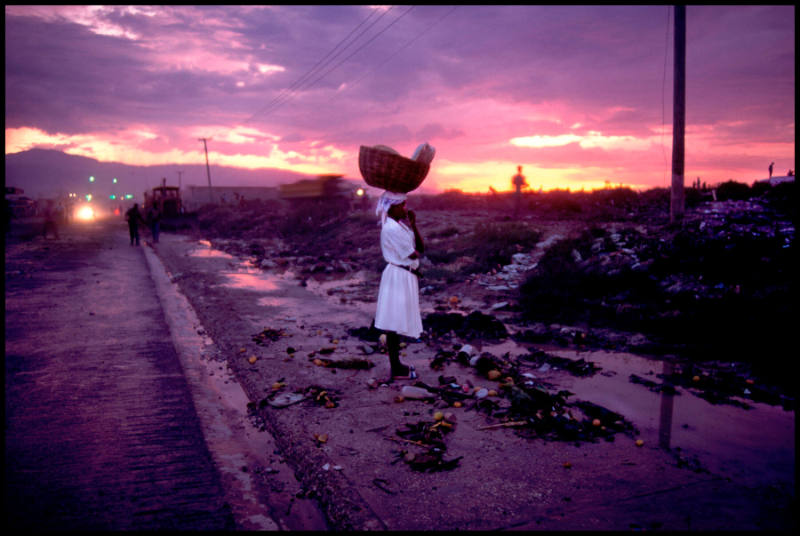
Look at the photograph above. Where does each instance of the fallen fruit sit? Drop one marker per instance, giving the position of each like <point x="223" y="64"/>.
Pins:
<point x="493" y="374"/>
<point x="457" y="404"/>
<point x="318" y="362"/>
<point x="696" y="379"/>
<point x="438" y="416"/>
<point x="492" y="392"/>
<point x="596" y="422"/>
<point x="252" y="359"/>
<point x="399" y="399"/>
<point x="277" y="385"/>
<point x="330" y="404"/>
<point x="639" y="442"/>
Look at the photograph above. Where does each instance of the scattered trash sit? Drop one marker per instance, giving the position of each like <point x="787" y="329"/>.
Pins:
<point x="416" y="393"/>
<point x="383" y="485"/>
<point x="286" y="399"/>
<point x="428" y="435"/>
<point x="268" y="335"/>
<point x="353" y="363"/>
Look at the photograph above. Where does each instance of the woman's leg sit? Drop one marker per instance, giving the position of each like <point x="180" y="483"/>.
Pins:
<point x="393" y="347"/>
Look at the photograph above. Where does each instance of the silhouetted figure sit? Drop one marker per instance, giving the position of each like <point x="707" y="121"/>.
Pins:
<point x="50" y="219"/>
<point x="154" y="221"/>
<point x="134" y="218"/>
<point x="518" y="181"/>
<point x="770" y="169"/>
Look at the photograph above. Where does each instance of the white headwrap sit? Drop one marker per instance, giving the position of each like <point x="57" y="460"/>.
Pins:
<point x="385" y="201"/>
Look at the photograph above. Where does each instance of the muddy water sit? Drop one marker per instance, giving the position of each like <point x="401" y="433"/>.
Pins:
<point x="750" y="445"/>
<point x="754" y="446"/>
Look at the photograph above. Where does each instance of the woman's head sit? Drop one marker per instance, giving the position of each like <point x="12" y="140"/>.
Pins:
<point x="397" y="211"/>
<point x="386" y="204"/>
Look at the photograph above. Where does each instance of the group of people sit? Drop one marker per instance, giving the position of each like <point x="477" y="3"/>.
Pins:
<point x="134" y="217"/>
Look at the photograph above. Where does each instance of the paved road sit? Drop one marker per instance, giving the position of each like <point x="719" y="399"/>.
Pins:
<point x="101" y="431"/>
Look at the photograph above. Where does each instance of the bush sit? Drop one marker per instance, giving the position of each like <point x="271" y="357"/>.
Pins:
<point x="732" y="190"/>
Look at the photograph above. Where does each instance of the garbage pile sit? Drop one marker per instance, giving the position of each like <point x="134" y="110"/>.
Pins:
<point x="721" y="283"/>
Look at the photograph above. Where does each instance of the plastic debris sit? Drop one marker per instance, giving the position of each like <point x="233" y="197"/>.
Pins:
<point x="286" y="399"/>
<point x="416" y="393"/>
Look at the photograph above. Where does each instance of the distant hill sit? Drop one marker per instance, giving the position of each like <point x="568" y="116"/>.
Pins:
<point x="48" y="173"/>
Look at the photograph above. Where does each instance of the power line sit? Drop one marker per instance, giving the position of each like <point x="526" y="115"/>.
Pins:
<point x="286" y="94"/>
<point x="297" y="82"/>
<point x="395" y="21"/>
<point x="403" y="47"/>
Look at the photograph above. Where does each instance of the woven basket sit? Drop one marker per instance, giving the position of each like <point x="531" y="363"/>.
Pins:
<point x="389" y="171"/>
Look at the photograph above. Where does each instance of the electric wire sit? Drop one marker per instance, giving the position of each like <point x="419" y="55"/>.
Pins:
<point x="403" y="47"/>
<point x="308" y="85"/>
<point x="395" y="21"/>
<point x="322" y="62"/>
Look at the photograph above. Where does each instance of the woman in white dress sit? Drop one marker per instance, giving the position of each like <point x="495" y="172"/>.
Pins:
<point x="397" y="311"/>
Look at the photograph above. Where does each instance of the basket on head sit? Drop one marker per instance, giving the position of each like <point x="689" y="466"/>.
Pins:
<point x="389" y="171"/>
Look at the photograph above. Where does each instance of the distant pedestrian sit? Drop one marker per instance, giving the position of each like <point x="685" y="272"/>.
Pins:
<point x="397" y="312"/>
<point x="770" y="169"/>
<point x="519" y="182"/>
<point x="134" y="218"/>
<point x="154" y="221"/>
<point x="50" y="216"/>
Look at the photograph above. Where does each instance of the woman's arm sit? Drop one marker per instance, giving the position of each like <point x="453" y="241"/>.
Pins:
<point x="418" y="244"/>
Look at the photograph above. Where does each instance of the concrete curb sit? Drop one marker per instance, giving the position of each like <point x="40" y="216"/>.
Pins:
<point x="344" y="507"/>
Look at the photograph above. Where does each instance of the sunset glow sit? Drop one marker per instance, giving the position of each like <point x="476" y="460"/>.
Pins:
<point x="580" y="96"/>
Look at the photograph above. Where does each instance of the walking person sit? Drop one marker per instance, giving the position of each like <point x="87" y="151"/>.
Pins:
<point x="770" y="169"/>
<point x="397" y="312"/>
<point x="134" y="218"/>
<point x="154" y="221"/>
<point x="50" y="223"/>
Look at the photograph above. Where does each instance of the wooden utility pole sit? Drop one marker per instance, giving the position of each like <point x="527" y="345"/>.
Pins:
<point x="676" y="207"/>
<point x="208" y="171"/>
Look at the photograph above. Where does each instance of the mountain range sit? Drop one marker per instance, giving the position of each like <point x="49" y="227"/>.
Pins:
<point x="45" y="173"/>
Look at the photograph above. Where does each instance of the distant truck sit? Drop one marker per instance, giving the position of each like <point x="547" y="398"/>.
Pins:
<point x="165" y="199"/>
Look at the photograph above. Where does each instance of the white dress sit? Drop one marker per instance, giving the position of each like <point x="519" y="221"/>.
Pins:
<point x="398" y="294"/>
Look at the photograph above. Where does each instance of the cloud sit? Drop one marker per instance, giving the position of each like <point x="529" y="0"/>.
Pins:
<point x="573" y="88"/>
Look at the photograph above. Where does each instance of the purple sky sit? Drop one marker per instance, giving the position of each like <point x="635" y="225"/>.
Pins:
<point x="577" y="95"/>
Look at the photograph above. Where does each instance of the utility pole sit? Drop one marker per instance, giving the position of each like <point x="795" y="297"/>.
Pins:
<point x="676" y="207"/>
<point x="179" y="179"/>
<point x="208" y="171"/>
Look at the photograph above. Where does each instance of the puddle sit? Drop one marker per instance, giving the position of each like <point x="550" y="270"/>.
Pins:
<point x="206" y="251"/>
<point x="251" y="279"/>
<point x="754" y="446"/>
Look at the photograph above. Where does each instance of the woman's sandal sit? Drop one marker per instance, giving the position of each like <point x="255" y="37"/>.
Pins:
<point x="410" y="373"/>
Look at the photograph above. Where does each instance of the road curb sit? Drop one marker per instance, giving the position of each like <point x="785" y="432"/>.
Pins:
<point x="343" y="506"/>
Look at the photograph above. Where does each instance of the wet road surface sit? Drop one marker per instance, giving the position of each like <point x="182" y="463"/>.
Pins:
<point x="101" y="432"/>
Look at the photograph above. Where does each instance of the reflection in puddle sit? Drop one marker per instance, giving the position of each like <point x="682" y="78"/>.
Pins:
<point x="207" y="251"/>
<point x="755" y="444"/>
<point x="251" y="280"/>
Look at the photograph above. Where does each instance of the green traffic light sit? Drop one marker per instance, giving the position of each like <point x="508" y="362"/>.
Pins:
<point x="112" y="196"/>
<point x="91" y="179"/>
